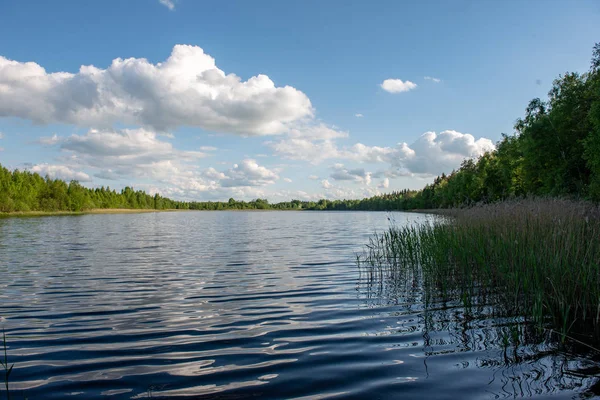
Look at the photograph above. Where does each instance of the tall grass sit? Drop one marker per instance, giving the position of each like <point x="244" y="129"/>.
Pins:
<point x="538" y="258"/>
<point x="4" y="364"/>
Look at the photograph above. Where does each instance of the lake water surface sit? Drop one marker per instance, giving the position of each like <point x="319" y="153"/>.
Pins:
<point x="228" y="305"/>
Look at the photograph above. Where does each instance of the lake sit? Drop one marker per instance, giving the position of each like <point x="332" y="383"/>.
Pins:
<point x="228" y="305"/>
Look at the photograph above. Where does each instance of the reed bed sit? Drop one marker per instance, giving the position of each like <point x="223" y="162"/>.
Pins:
<point x="538" y="258"/>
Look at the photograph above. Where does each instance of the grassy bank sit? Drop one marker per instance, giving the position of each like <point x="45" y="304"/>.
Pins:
<point x="539" y="258"/>
<point x="25" y="214"/>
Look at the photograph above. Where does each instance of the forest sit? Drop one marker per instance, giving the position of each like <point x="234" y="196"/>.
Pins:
<point x="24" y="191"/>
<point x="554" y="151"/>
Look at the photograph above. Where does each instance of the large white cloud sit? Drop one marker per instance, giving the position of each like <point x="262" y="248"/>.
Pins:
<point x="433" y="153"/>
<point x="185" y="90"/>
<point x="397" y="85"/>
<point x="430" y="154"/>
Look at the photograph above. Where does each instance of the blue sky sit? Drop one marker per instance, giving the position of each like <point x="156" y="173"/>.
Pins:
<point x="274" y="99"/>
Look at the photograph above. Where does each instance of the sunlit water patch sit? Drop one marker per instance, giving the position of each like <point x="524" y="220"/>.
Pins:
<point x="262" y="305"/>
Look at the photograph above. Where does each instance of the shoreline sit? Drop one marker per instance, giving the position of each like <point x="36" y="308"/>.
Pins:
<point x="25" y="214"/>
<point x="33" y="214"/>
<point x="436" y="211"/>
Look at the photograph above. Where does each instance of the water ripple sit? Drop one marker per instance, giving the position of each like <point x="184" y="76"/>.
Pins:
<point x="235" y="305"/>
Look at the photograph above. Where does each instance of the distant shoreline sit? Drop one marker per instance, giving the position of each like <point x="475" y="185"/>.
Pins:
<point x="437" y="211"/>
<point x="25" y="214"/>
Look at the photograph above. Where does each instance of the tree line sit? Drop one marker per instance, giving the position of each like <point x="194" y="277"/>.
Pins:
<point x="555" y="151"/>
<point x="22" y="191"/>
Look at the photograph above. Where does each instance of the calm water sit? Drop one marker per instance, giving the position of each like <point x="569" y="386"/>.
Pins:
<point x="234" y="305"/>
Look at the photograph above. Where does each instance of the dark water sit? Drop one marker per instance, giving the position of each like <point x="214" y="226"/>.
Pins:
<point x="227" y="305"/>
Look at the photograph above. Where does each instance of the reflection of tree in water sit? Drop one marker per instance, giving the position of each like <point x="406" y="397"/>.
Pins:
<point x="523" y="359"/>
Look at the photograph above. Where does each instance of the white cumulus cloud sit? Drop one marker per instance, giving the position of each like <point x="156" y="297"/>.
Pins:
<point x="60" y="172"/>
<point x="185" y="90"/>
<point x="433" y="153"/>
<point x="126" y="153"/>
<point x="430" y="154"/>
<point x="129" y="146"/>
<point x="248" y="173"/>
<point x="397" y="85"/>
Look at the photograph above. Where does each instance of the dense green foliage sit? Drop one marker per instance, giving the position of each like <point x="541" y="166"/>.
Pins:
<point x="27" y="191"/>
<point x="535" y="258"/>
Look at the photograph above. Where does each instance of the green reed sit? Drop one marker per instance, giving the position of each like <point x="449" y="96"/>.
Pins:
<point x="7" y="369"/>
<point x="538" y="258"/>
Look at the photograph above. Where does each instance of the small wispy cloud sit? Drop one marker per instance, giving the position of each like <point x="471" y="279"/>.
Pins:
<point x="397" y="85"/>
<point x="170" y="4"/>
<point x="208" y="148"/>
<point x="1" y="135"/>
<point x="431" y="78"/>
<point x="288" y="180"/>
<point x="358" y="115"/>
<point x="49" y="140"/>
